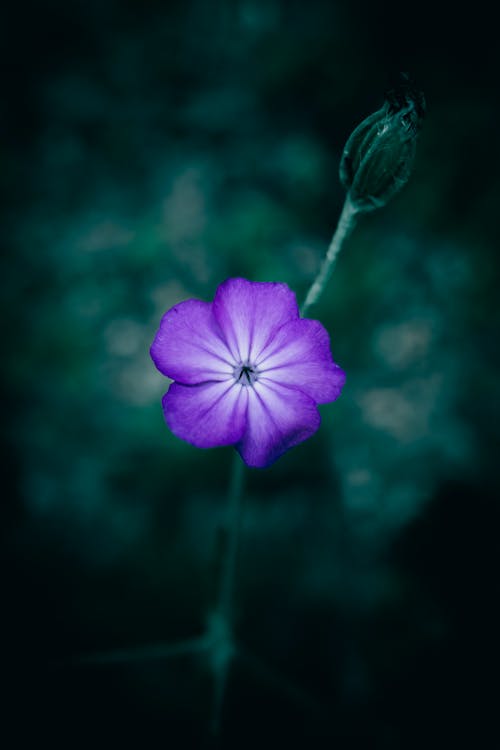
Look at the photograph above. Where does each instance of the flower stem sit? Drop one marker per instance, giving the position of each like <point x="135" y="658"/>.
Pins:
<point x="220" y="632"/>
<point x="233" y="531"/>
<point x="346" y="224"/>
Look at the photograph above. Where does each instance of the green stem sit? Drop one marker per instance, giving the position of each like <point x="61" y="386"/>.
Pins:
<point x="233" y="532"/>
<point x="220" y="633"/>
<point x="346" y="224"/>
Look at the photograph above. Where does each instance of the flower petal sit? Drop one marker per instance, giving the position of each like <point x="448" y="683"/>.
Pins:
<point x="188" y="346"/>
<point x="207" y="415"/>
<point x="277" y="419"/>
<point x="249" y="313"/>
<point x="299" y="355"/>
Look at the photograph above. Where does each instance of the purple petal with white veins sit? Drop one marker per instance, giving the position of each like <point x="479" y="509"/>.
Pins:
<point x="189" y="347"/>
<point x="207" y="415"/>
<point x="278" y="418"/>
<point x="249" y="313"/>
<point x="299" y="356"/>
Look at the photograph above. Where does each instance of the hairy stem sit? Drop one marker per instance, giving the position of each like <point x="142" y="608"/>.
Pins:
<point x="346" y="224"/>
<point x="220" y="632"/>
<point x="233" y="532"/>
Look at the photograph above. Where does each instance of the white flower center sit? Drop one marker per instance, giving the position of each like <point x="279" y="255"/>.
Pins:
<point x="245" y="373"/>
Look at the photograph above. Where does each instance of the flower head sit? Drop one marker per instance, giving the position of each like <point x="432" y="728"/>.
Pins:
<point x="247" y="370"/>
<point x="378" y="157"/>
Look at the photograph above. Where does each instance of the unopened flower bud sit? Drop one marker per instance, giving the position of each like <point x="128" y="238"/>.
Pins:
<point x="378" y="157"/>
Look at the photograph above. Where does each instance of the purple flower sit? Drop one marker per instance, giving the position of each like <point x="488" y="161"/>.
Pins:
<point x="248" y="370"/>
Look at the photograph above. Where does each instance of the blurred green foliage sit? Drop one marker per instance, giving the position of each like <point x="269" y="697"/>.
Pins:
<point x="149" y="151"/>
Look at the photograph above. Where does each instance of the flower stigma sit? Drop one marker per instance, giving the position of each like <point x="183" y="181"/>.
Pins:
<point x="245" y="374"/>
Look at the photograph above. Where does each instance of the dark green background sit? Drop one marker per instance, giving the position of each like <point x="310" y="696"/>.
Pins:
<point x="148" y="151"/>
